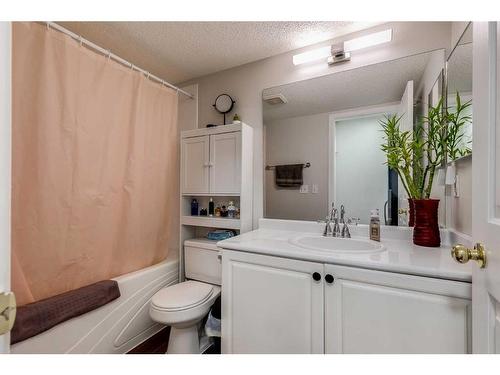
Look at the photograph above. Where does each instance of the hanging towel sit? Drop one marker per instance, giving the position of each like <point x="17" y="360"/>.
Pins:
<point x="289" y="175"/>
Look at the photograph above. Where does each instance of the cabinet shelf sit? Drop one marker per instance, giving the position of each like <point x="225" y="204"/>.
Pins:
<point x="212" y="222"/>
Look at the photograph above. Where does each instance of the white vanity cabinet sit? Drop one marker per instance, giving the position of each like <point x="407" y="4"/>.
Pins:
<point x="275" y="305"/>
<point x="369" y="311"/>
<point x="212" y="163"/>
<point x="271" y="305"/>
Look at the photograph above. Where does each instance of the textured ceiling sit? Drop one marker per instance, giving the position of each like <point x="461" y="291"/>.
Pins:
<point x="179" y="51"/>
<point x="366" y="86"/>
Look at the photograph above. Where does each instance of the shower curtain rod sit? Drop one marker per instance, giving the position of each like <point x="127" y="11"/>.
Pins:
<point x="108" y="53"/>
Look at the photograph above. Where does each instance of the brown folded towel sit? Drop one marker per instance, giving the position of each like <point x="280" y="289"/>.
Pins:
<point x="289" y="175"/>
<point x="40" y="316"/>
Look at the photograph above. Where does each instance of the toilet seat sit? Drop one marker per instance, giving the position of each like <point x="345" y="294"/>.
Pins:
<point x="182" y="296"/>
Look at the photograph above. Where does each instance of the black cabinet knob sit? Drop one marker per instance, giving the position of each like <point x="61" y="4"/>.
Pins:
<point x="329" y="278"/>
<point x="316" y="276"/>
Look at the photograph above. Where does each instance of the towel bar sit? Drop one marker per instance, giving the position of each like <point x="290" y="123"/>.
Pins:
<point x="270" y="167"/>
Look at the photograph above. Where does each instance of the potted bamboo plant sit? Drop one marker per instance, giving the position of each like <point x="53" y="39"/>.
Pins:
<point x="416" y="155"/>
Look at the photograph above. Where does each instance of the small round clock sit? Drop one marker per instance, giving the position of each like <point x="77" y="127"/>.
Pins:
<point x="224" y="104"/>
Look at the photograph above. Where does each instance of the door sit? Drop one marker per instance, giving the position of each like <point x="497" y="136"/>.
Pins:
<point x="5" y="157"/>
<point x="225" y="163"/>
<point x="271" y="305"/>
<point x="195" y="165"/>
<point x="406" y="111"/>
<point x="486" y="186"/>
<point x="374" y="312"/>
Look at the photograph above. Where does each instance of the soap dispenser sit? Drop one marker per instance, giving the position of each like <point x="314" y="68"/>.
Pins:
<point x="375" y="225"/>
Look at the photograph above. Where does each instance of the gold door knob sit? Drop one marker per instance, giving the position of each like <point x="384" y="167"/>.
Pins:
<point x="463" y="254"/>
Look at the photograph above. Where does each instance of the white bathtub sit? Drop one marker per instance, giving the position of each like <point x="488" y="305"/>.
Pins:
<point x="114" y="328"/>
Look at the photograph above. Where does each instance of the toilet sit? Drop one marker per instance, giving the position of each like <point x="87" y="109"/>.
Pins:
<point x="183" y="306"/>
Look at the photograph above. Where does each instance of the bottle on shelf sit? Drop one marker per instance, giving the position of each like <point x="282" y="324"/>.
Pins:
<point x="211" y="209"/>
<point x="231" y="210"/>
<point x="194" y="207"/>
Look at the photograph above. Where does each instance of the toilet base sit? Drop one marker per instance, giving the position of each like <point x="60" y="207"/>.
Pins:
<point x="184" y="340"/>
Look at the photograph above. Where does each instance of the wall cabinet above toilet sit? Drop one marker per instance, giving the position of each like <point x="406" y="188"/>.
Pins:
<point x="212" y="160"/>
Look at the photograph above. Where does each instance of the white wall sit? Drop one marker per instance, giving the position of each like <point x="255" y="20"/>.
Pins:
<point x="5" y="163"/>
<point x="307" y="136"/>
<point x="187" y="119"/>
<point x="188" y="109"/>
<point x="245" y="83"/>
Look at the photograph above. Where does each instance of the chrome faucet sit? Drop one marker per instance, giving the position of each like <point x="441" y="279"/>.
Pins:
<point x="332" y="224"/>
<point x="328" y="222"/>
<point x="336" y="226"/>
<point x="345" y="228"/>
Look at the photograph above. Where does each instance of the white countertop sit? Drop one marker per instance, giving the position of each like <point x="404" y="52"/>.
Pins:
<point x="400" y="254"/>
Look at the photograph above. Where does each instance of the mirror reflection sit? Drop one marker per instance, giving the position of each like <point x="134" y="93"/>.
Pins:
<point x="323" y="139"/>
<point x="459" y="96"/>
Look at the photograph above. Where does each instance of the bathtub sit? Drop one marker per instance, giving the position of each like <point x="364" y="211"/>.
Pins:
<point x="116" y="327"/>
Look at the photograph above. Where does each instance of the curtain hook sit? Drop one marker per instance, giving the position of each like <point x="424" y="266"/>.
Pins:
<point x="80" y="39"/>
<point x="48" y="25"/>
<point x="148" y="74"/>
<point x="109" y="54"/>
<point x="131" y="66"/>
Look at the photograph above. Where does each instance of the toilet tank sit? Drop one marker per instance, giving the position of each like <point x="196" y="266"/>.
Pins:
<point x="202" y="261"/>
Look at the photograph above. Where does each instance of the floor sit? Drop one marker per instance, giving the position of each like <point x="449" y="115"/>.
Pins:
<point x="158" y="344"/>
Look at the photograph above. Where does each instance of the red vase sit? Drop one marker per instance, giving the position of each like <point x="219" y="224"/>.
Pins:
<point x="411" y="214"/>
<point x="426" y="230"/>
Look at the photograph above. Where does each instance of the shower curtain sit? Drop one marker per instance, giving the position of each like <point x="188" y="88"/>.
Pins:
<point x="95" y="171"/>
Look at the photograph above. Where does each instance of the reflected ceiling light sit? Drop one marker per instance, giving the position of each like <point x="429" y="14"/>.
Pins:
<point x="333" y="53"/>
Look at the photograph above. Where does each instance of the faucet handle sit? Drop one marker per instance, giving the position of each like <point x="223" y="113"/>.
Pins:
<point x="353" y="220"/>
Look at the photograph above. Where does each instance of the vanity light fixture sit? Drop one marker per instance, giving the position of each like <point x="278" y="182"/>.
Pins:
<point x="313" y="55"/>
<point x="341" y="52"/>
<point x="369" y="40"/>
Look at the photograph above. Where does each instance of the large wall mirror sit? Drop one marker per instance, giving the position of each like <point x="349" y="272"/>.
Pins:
<point x="327" y="133"/>
<point x="459" y="95"/>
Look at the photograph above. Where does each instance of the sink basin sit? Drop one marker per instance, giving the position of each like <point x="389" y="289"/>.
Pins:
<point x="337" y="245"/>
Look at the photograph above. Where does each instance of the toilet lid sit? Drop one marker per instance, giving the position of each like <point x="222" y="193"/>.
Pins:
<point x="182" y="296"/>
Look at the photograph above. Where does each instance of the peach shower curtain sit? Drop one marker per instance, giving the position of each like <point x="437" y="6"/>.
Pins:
<point x="94" y="165"/>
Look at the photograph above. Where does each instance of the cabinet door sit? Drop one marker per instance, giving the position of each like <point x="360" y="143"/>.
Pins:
<point x="225" y="163"/>
<point x="271" y="305"/>
<point x="195" y="165"/>
<point x="380" y="312"/>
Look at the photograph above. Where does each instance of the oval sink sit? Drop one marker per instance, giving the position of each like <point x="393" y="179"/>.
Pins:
<point x="336" y="244"/>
